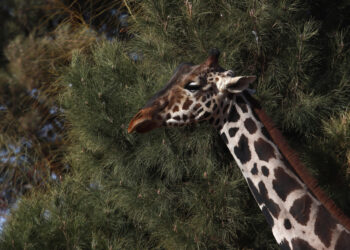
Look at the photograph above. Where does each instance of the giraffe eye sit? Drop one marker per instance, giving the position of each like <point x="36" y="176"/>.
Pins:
<point x="192" y="86"/>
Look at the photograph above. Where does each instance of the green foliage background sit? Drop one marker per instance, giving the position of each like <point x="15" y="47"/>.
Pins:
<point x="37" y="38"/>
<point x="179" y="188"/>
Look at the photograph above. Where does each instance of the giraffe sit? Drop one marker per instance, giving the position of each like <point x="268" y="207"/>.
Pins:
<point x="300" y="215"/>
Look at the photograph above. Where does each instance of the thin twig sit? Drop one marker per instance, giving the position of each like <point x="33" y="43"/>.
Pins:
<point x="129" y="10"/>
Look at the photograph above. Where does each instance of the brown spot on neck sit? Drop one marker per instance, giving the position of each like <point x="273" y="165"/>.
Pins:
<point x="242" y="151"/>
<point x="300" y="209"/>
<point x="284" y="184"/>
<point x="250" y="125"/>
<point x="294" y="161"/>
<point x="298" y="243"/>
<point x="264" y="150"/>
<point x="343" y="241"/>
<point x="324" y="226"/>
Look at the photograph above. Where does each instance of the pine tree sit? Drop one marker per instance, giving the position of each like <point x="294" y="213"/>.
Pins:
<point x="179" y="188"/>
<point x="38" y="39"/>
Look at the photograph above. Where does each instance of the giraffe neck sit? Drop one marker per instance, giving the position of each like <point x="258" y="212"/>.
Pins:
<point x="298" y="220"/>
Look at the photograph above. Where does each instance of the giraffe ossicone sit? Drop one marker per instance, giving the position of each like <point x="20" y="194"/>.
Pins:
<point x="300" y="215"/>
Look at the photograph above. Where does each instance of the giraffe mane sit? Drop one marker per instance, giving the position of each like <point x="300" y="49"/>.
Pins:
<point x="183" y="68"/>
<point x="293" y="159"/>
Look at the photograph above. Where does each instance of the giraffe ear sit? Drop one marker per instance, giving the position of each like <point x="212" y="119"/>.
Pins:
<point x="239" y="83"/>
<point x="143" y="122"/>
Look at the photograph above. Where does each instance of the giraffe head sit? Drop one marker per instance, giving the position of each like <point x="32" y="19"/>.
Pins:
<point x="194" y="93"/>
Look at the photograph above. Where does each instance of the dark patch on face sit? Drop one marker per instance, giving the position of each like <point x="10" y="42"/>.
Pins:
<point x="232" y="131"/>
<point x="208" y="104"/>
<point x="287" y="224"/>
<point x="264" y="150"/>
<point x="197" y="106"/>
<point x="176" y="108"/>
<point x="324" y="226"/>
<point x="184" y="117"/>
<point x="299" y="244"/>
<point x="284" y="245"/>
<point x="241" y="103"/>
<point x="206" y="115"/>
<point x="254" y="170"/>
<point x="168" y="116"/>
<point x="242" y="150"/>
<point x="343" y="241"/>
<point x="233" y="115"/>
<point x="265" y="170"/>
<point x="250" y="125"/>
<point x="268" y="216"/>
<point x="284" y="184"/>
<point x="177" y="118"/>
<point x="300" y="209"/>
<point x="224" y="138"/>
<point x="187" y="104"/>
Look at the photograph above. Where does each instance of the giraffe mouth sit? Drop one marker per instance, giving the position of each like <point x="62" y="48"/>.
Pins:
<point x="143" y="126"/>
<point x="142" y="122"/>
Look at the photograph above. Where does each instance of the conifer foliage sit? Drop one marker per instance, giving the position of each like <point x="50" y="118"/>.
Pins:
<point x="38" y="37"/>
<point x="179" y="188"/>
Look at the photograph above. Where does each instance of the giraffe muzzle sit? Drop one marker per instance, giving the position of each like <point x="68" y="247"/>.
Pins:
<point x="143" y="122"/>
